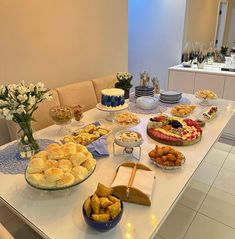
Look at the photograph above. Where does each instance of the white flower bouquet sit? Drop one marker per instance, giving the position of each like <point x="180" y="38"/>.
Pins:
<point x="18" y="103"/>
<point x="124" y="82"/>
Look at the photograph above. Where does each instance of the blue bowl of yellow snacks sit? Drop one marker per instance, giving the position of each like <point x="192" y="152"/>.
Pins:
<point x="103" y="210"/>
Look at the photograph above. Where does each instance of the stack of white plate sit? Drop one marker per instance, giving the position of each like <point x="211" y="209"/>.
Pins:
<point x="170" y="97"/>
<point x="143" y="91"/>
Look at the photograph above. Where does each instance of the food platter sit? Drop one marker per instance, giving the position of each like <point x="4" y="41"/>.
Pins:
<point x="59" y="188"/>
<point x="201" y="115"/>
<point x="166" y="157"/>
<point x="174" y="131"/>
<point x="128" y="139"/>
<point x="60" y="167"/>
<point x="182" y="111"/>
<point x="166" y="167"/>
<point x="87" y="134"/>
<point x="208" y="97"/>
<point x="126" y="119"/>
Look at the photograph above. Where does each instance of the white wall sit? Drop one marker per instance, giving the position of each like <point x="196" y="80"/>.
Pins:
<point x="60" y="42"/>
<point x="155" y="36"/>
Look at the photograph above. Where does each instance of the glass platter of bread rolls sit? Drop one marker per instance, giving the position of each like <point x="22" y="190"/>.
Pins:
<point x="60" y="166"/>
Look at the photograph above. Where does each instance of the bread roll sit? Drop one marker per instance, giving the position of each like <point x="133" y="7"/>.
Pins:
<point x="69" y="149"/>
<point x="81" y="148"/>
<point x="77" y="159"/>
<point x="55" y="153"/>
<point x="66" y="179"/>
<point x="89" y="164"/>
<point x="35" y="178"/>
<point x="52" y="146"/>
<point x="53" y="174"/>
<point x="50" y="164"/>
<point x="79" y="173"/>
<point x="42" y="154"/>
<point x="36" y="165"/>
<point x="88" y="155"/>
<point x="65" y="165"/>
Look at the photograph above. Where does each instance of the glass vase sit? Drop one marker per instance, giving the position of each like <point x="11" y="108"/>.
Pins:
<point x="27" y="144"/>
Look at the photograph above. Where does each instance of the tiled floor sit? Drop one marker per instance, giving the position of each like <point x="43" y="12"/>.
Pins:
<point x="207" y="207"/>
<point x="205" y="210"/>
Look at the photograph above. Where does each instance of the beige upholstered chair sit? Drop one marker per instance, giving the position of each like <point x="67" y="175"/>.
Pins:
<point x="82" y="93"/>
<point x="103" y="83"/>
<point x="4" y="234"/>
<point x="41" y="115"/>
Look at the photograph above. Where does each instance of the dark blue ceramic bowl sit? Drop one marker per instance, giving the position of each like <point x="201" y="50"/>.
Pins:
<point x="102" y="226"/>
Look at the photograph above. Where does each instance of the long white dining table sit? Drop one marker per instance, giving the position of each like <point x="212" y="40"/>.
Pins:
<point x="58" y="214"/>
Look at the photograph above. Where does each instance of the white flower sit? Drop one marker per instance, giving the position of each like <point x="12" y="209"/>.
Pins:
<point x="3" y="103"/>
<point x="2" y="89"/>
<point x="32" y="100"/>
<point x="12" y="88"/>
<point x="40" y="86"/>
<point x="20" y="109"/>
<point x="47" y="96"/>
<point x="22" y="89"/>
<point x="7" y="114"/>
<point x="31" y="87"/>
<point x="22" y="98"/>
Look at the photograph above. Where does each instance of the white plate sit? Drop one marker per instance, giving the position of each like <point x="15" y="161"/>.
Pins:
<point x="170" y="93"/>
<point x="169" y="102"/>
<point x="200" y="115"/>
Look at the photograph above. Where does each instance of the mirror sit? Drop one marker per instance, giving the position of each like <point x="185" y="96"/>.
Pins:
<point x="210" y="22"/>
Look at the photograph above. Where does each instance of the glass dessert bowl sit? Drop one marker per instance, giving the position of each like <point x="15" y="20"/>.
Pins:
<point x="62" y="116"/>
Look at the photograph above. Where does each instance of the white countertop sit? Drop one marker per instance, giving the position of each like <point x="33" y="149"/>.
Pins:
<point x="58" y="215"/>
<point x="215" y="68"/>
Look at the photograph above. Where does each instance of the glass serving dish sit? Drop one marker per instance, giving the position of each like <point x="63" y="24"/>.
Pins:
<point x="126" y="119"/>
<point x="167" y="167"/>
<point x="62" y="116"/>
<point x="58" y="188"/>
<point x="78" y="113"/>
<point x="208" y="97"/>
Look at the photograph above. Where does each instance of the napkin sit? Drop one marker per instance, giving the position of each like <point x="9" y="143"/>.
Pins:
<point x="144" y="180"/>
<point x="99" y="147"/>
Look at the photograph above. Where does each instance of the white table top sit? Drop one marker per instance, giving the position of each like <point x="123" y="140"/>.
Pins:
<point x="214" y="68"/>
<point x="58" y="215"/>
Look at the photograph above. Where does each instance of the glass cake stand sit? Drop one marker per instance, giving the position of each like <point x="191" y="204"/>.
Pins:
<point x="111" y="111"/>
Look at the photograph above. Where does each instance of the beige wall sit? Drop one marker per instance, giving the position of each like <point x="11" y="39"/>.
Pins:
<point x="229" y="34"/>
<point x="60" y="42"/>
<point x="200" y="21"/>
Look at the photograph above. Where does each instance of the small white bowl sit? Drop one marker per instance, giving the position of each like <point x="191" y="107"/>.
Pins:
<point x="147" y="103"/>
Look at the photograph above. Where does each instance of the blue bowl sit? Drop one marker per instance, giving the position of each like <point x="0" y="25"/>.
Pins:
<point x="103" y="226"/>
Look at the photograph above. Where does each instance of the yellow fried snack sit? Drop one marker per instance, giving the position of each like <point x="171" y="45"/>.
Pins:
<point x="100" y="217"/>
<point x="114" y="209"/>
<point x="105" y="202"/>
<point x="102" y="211"/>
<point x="113" y="199"/>
<point x="87" y="206"/>
<point x="95" y="204"/>
<point x="103" y="191"/>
